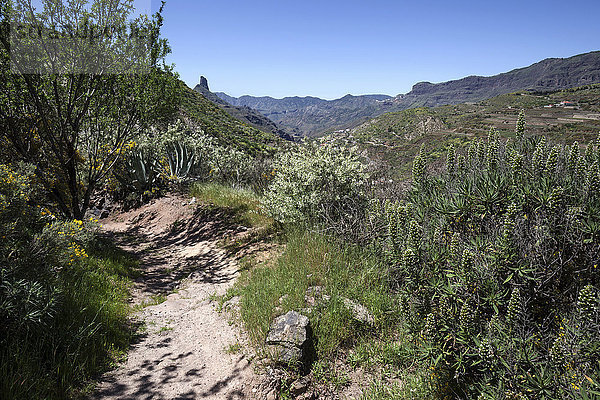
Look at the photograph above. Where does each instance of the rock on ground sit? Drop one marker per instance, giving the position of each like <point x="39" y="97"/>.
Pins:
<point x="290" y="339"/>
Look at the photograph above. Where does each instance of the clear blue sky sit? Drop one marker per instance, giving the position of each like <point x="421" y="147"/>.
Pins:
<point x="329" y="48"/>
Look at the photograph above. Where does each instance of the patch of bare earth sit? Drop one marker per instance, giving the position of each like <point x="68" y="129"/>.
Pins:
<point x="188" y="350"/>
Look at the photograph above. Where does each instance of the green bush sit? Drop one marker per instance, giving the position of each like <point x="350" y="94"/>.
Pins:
<point x="63" y="296"/>
<point x="160" y="160"/>
<point x="496" y="264"/>
<point x="318" y="183"/>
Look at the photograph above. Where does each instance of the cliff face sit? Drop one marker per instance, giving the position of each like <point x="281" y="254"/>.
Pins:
<point x="548" y="75"/>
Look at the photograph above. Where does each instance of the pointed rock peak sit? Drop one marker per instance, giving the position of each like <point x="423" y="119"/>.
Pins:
<point x="204" y="83"/>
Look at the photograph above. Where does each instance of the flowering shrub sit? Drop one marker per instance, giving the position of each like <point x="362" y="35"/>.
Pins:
<point x="318" y="183"/>
<point x="60" y="313"/>
<point x="496" y="263"/>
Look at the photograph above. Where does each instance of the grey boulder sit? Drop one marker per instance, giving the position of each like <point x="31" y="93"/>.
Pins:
<point x="290" y="340"/>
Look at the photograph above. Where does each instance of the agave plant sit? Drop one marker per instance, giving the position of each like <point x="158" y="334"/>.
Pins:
<point x="140" y="173"/>
<point x="181" y="160"/>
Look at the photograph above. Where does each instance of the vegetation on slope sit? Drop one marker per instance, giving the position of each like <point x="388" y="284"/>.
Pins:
<point x="395" y="138"/>
<point x="482" y="276"/>
<point x="227" y="130"/>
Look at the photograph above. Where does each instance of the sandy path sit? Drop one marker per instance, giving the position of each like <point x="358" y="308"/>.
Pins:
<point x="183" y="353"/>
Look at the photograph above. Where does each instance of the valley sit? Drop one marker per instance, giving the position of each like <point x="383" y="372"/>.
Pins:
<point x="167" y="242"/>
<point x="311" y="116"/>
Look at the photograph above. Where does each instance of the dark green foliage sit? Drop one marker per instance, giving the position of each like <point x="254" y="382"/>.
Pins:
<point x="63" y="297"/>
<point x="498" y="269"/>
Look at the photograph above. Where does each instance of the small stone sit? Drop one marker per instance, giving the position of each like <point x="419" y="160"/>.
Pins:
<point x="288" y="328"/>
<point x="300" y="386"/>
<point x="359" y="312"/>
<point x="289" y="339"/>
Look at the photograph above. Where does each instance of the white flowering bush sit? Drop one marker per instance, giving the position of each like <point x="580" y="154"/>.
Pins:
<point x="318" y="183"/>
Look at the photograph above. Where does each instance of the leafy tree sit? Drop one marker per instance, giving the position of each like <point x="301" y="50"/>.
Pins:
<point x="75" y="95"/>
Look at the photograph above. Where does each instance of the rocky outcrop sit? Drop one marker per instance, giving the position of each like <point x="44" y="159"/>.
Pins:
<point x="204" y="83"/>
<point x="244" y="114"/>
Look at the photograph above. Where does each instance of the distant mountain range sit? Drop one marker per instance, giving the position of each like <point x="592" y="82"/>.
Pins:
<point x="314" y="116"/>
<point x="547" y="75"/>
<point x="245" y="114"/>
<point x="199" y="112"/>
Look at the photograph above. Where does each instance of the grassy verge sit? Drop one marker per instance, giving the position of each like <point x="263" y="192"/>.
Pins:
<point x="89" y="333"/>
<point x="243" y="204"/>
<point x="310" y="259"/>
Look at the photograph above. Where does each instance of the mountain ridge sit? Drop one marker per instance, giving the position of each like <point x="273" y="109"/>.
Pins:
<point x="314" y="116"/>
<point x="244" y="113"/>
<point x="547" y="75"/>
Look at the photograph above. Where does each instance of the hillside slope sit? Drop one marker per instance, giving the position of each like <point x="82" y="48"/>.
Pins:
<point x="314" y="116"/>
<point x="394" y="138"/>
<point x="229" y="131"/>
<point x="550" y="74"/>
<point x="244" y="113"/>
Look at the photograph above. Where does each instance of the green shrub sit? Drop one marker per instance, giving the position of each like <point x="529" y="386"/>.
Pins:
<point x="496" y="263"/>
<point x="318" y="183"/>
<point x="63" y="297"/>
<point x="159" y="161"/>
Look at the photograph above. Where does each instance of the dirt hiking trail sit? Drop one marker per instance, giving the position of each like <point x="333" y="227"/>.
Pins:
<point x="182" y="353"/>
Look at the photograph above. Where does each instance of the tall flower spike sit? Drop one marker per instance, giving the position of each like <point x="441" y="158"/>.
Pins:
<point x="539" y="155"/>
<point x="589" y="153"/>
<point x="520" y="128"/>
<point x="451" y="160"/>
<point x="587" y="303"/>
<point x="461" y="163"/>
<point x="552" y="160"/>
<point x="472" y="153"/>
<point x="467" y="318"/>
<point x="481" y="150"/>
<point x="455" y="245"/>
<point x="573" y="157"/>
<point x="419" y="165"/>
<point x="514" y="311"/>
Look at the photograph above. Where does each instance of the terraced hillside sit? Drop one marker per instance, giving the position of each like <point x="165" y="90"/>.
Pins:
<point x="396" y="137"/>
